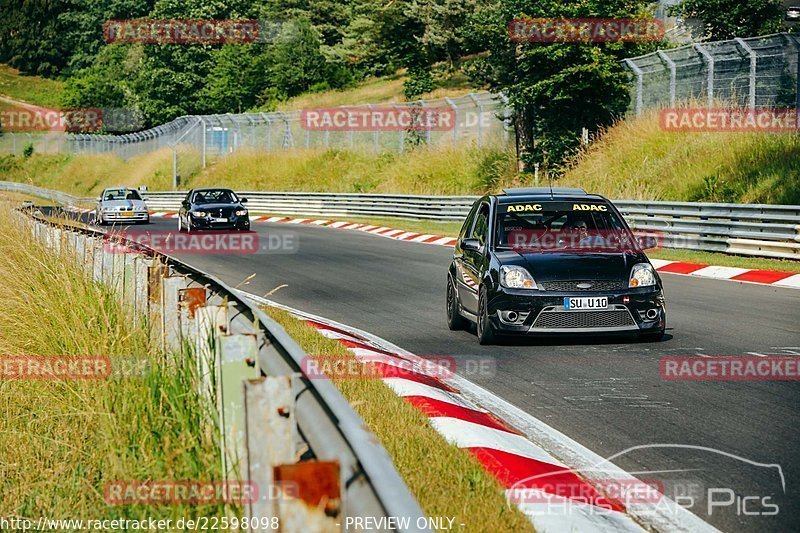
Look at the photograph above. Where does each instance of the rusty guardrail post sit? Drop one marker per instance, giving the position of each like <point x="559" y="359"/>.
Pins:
<point x="170" y="312"/>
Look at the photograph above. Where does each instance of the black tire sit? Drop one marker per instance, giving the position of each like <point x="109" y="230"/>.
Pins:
<point x="484" y="327"/>
<point x="455" y="321"/>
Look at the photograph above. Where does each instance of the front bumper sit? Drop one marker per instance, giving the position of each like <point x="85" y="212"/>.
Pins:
<point x="110" y="217"/>
<point x="514" y="311"/>
<point x="233" y="222"/>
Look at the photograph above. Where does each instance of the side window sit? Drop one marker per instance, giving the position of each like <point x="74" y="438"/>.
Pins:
<point x="465" y="229"/>
<point x="481" y="227"/>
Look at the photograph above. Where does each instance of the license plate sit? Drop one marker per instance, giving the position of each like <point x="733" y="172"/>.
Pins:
<point x="586" y="303"/>
<point x="127" y="213"/>
<point x="219" y="220"/>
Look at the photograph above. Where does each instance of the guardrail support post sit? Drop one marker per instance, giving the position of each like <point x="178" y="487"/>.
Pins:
<point x="170" y="311"/>
<point x="270" y="428"/>
<point x="238" y="355"/>
<point x="211" y="321"/>
<point x="98" y="254"/>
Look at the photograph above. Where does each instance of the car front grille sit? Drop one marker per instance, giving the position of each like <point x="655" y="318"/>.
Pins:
<point x="583" y="319"/>
<point x="595" y="285"/>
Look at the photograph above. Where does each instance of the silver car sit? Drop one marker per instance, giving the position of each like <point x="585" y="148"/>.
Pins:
<point x="121" y="205"/>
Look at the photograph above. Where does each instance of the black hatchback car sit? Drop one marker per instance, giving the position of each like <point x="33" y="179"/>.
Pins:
<point x="213" y="208"/>
<point x="552" y="261"/>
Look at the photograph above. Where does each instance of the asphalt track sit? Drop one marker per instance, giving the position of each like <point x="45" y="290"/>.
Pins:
<point x="605" y="393"/>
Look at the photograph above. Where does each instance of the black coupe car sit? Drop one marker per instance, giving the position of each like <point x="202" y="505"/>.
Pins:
<point x="551" y="261"/>
<point x="213" y="208"/>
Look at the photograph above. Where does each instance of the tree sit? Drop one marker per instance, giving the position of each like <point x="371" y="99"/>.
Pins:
<point x="727" y="19"/>
<point x="555" y="89"/>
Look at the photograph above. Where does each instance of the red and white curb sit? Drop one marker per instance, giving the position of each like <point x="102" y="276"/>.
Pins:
<point x="381" y="231"/>
<point x="455" y="407"/>
<point x="775" y="278"/>
<point x="745" y="275"/>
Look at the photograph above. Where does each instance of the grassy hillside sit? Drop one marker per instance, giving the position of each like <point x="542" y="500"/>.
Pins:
<point x="380" y="90"/>
<point x="636" y="159"/>
<point x="31" y="89"/>
<point x="434" y="171"/>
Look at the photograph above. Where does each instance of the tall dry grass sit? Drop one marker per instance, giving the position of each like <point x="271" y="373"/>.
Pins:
<point x="61" y="441"/>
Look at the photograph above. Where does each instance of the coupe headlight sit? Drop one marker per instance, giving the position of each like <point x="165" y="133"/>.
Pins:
<point x="642" y="275"/>
<point x="241" y="212"/>
<point x="200" y="214"/>
<point x="516" y="277"/>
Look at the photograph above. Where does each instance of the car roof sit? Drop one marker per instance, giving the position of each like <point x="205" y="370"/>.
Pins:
<point x="523" y="194"/>
<point x="212" y="189"/>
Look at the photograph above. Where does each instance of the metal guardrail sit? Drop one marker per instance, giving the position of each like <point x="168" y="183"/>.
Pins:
<point x="325" y="420"/>
<point x="747" y="229"/>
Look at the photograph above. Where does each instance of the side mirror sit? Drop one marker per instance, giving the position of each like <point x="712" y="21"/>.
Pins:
<point x="471" y="245"/>
<point x="99" y="198"/>
<point x="243" y="200"/>
<point x="185" y="203"/>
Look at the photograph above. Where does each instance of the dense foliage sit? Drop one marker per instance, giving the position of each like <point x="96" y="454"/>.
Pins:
<point x="727" y="19"/>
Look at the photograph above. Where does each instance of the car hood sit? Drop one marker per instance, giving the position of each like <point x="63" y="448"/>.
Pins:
<point x="137" y="204"/>
<point x="213" y="207"/>
<point x="551" y="266"/>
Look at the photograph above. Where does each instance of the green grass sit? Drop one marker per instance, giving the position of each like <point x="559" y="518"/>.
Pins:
<point x="61" y="441"/>
<point x="32" y="89"/>
<point x="638" y="160"/>
<point x="452" y="482"/>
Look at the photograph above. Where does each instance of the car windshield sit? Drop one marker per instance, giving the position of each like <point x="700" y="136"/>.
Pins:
<point x="215" y="196"/>
<point x="558" y="226"/>
<point x="121" y="194"/>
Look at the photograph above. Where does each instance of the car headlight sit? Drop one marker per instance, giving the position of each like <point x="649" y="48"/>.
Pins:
<point x="516" y="277"/>
<point x="201" y="214"/>
<point x="241" y="212"/>
<point x="106" y="209"/>
<point x="642" y="275"/>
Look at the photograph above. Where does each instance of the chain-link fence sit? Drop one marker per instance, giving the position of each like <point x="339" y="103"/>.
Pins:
<point x="477" y="118"/>
<point x="758" y="72"/>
